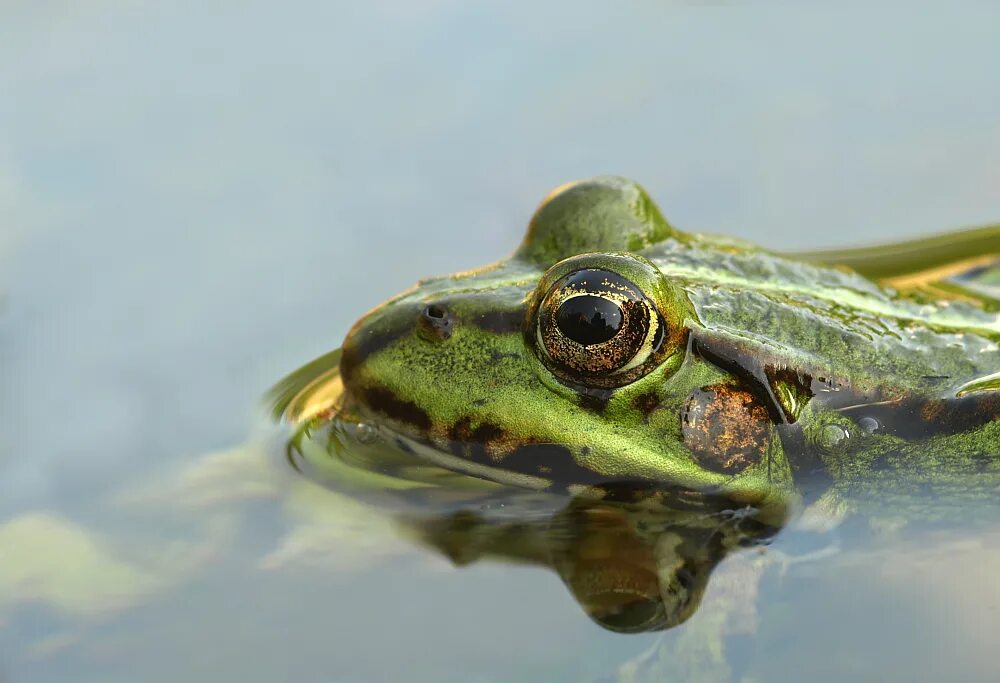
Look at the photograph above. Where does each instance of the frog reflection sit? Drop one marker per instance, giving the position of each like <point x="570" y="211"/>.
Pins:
<point x="630" y="569"/>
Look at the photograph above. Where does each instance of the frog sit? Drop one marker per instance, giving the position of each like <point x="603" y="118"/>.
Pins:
<point x="616" y="358"/>
<point x="640" y="409"/>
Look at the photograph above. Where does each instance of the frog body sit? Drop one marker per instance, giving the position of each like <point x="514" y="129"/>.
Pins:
<point x="615" y="357"/>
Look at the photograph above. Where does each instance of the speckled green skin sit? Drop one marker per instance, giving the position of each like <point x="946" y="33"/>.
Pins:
<point x="825" y="350"/>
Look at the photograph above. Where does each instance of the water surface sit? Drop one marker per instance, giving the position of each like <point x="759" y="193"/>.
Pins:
<point x="196" y="199"/>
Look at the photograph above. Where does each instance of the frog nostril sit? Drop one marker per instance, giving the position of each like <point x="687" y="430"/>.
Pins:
<point x="434" y="312"/>
<point x="435" y="322"/>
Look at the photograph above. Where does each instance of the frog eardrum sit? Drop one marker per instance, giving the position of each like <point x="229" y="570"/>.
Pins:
<point x="593" y="323"/>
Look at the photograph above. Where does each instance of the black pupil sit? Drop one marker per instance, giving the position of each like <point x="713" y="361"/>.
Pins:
<point x="588" y="319"/>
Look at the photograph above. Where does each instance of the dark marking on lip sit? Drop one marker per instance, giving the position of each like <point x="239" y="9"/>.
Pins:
<point x="629" y="490"/>
<point x="460" y="429"/>
<point x="552" y="461"/>
<point x="487" y="433"/>
<point x="507" y="321"/>
<point x="474" y="443"/>
<point x="395" y="408"/>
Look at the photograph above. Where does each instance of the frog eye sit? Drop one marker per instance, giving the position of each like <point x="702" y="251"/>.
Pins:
<point x="597" y="328"/>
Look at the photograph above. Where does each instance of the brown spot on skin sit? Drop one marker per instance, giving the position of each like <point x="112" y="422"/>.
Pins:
<point x="726" y="428"/>
<point x="646" y="403"/>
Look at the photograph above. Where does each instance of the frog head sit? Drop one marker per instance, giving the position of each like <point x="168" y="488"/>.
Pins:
<point x="567" y="366"/>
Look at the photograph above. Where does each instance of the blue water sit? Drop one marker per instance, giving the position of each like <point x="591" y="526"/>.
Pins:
<point x="198" y="198"/>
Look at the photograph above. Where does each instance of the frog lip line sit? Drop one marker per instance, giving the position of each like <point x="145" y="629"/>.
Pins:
<point x="574" y="480"/>
<point x="611" y="489"/>
<point x="429" y="452"/>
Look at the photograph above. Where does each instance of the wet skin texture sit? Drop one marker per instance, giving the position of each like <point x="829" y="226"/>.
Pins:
<point x="615" y="357"/>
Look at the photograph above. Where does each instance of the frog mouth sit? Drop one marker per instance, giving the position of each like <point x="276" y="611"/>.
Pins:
<point x="316" y="397"/>
<point x="313" y="392"/>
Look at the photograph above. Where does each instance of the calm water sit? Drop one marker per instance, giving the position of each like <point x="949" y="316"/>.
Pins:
<point x="198" y="199"/>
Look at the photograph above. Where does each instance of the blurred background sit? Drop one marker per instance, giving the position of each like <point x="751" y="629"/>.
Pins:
<point x="197" y="197"/>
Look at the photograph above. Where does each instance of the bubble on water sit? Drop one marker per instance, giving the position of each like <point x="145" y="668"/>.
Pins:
<point x="834" y="435"/>
<point x="869" y="425"/>
<point x="365" y="433"/>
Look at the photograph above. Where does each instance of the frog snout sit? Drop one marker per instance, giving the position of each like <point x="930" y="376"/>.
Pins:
<point x="393" y="328"/>
<point x="376" y="332"/>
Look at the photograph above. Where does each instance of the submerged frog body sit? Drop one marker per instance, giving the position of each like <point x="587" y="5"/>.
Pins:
<point x="617" y="358"/>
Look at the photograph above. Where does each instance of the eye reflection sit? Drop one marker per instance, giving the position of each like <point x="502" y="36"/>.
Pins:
<point x="589" y="319"/>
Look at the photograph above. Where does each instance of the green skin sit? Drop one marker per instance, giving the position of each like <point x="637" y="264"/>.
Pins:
<point x="848" y="386"/>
